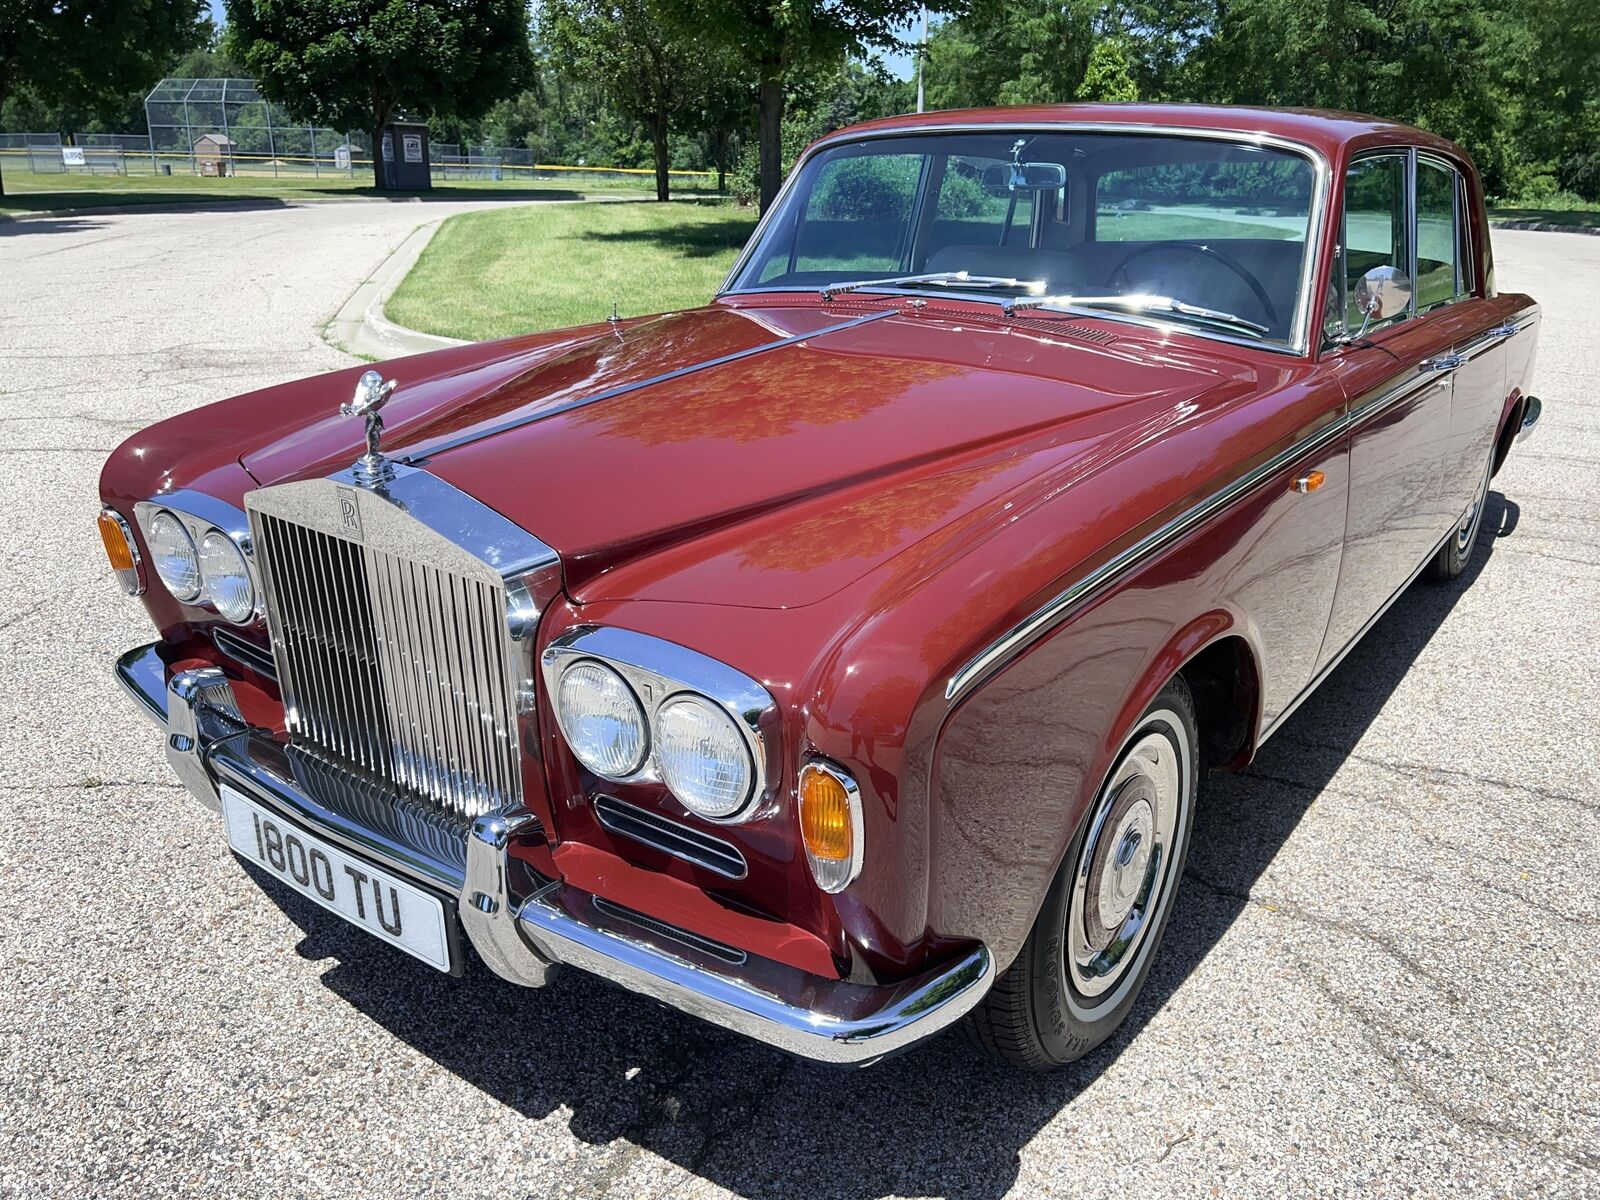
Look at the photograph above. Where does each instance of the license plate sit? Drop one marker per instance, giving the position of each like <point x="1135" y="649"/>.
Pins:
<point x="387" y="907"/>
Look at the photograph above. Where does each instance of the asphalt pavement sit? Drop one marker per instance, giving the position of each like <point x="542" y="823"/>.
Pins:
<point x="1382" y="976"/>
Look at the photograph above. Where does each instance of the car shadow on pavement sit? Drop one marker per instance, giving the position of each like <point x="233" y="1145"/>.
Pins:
<point x="939" y="1120"/>
<point x="15" y="228"/>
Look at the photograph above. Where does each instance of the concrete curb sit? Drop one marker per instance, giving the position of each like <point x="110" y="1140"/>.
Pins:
<point x="360" y="326"/>
<point x="216" y="204"/>
<point x="1546" y="227"/>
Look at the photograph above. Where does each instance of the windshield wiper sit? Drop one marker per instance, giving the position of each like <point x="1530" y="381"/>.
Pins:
<point x="1138" y="302"/>
<point x="937" y="278"/>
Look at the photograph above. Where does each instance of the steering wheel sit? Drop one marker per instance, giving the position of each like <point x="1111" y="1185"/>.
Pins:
<point x="1268" y="309"/>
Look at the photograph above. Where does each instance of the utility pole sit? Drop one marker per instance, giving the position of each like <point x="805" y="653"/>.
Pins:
<point x="922" y="53"/>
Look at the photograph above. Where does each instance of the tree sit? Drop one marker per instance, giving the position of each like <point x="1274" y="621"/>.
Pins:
<point x="781" y="37"/>
<point x="1034" y="52"/>
<point x="90" y="54"/>
<point x="357" y="64"/>
<point x="1107" y="75"/>
<point x="647" y="65"/>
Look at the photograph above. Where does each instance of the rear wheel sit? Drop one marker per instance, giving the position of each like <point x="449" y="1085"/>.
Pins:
<point x="1084" y="963"/>
<point x="1455" y="554"/>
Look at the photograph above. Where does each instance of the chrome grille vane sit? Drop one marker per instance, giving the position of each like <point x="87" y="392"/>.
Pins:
<point x="400" y="652"/>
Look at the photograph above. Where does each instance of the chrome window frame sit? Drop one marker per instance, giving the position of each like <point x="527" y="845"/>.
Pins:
<point x="1462" y="289"/>
<point x="1299" y="346"/>
<point x="1331" y="341"/>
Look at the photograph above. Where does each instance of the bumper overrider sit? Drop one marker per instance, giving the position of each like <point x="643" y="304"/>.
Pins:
<point x="524" y="925"/>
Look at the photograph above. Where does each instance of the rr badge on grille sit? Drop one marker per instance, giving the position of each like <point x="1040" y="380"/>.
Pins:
<point x="349" y="514"/>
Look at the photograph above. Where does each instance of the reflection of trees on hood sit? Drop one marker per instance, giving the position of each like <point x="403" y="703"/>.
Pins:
<point x="761" y="397"/>
<point x="870" y="526"/>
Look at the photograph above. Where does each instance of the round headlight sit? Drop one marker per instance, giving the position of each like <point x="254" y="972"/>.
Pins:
<point x="703" y="757"/>
<point x="173" y="553"/>
<point x="227" y="579"/>
<point x="602" y="720"/>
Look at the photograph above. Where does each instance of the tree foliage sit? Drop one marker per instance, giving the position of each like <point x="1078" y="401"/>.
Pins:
<point x="90" y="55"/>
<point x="359" y="63"/>
<point x="646" y="65"/>
<point x="1517" y="82"/>
<point x="779" y="39"/>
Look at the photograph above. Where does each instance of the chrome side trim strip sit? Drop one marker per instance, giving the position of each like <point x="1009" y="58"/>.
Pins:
<point x="1107" y="573"/>
<point x="420" y="454"/>
<point x="1056" y="609"/>
<point x="1320" y="199"/>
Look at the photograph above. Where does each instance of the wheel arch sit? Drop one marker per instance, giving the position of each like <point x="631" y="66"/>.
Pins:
<point x="994" y="854"/>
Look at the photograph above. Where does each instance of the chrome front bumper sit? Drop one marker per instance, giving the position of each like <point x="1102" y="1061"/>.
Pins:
<point x="522" y="924"/>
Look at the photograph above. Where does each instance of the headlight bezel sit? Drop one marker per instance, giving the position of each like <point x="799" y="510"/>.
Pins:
<point x="661" y="672"/>
<point x="202" y="515"/>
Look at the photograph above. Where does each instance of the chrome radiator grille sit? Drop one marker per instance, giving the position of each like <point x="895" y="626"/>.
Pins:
<point x="393" y="663"/>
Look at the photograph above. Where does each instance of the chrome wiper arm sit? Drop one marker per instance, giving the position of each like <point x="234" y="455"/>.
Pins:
<point x="939" y="278"/>
<point x="1137" y="302"/>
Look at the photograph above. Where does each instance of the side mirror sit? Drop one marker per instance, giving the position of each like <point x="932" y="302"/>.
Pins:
<point x="1382" y="293"/>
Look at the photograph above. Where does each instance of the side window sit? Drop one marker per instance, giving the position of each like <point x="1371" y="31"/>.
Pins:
<point x="1375" y="234"/>
<point x="1438" y="235"/>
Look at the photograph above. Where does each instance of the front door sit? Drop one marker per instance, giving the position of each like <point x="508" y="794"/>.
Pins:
<point x="1399" y="386"/>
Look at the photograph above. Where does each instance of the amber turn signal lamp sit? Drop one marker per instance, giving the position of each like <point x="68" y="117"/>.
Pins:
<point x="830" y="825"/>
<point x="1309" y="482"/>
<point x="122" y="552"/>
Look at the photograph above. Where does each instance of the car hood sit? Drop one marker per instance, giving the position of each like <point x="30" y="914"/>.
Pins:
<point x="766" y="455"/>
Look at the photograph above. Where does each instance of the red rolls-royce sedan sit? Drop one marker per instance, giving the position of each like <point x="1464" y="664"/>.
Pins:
<point x="840" y="660"/>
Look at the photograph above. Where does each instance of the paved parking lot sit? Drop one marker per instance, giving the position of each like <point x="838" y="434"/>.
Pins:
<point x="1381" y="978"/>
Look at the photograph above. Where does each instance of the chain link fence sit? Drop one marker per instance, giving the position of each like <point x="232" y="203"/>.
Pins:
<point x="223" y="127"/>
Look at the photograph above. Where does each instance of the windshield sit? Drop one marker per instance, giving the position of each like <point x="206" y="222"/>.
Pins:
<point x="1143" y="226"/>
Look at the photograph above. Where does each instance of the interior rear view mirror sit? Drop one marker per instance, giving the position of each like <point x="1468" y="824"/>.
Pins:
<point x="1024" y="177"/>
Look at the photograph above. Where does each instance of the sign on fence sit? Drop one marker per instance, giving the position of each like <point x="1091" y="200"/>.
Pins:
<point x="72" y="156"/>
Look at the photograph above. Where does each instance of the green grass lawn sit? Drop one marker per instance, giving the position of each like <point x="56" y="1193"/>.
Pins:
<point x="490" y="274"/>
<point x="27" y="192"/>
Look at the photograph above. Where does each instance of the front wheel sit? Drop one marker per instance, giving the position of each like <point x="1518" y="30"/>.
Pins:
<point x="1085" y="961"/>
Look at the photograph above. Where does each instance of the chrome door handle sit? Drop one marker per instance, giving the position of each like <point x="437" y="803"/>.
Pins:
<point x="1503" y="331"/>
<point x="1444" y="362"/>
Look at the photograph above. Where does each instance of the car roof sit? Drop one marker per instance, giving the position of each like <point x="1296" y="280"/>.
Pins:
<point x="1324" y="130"/>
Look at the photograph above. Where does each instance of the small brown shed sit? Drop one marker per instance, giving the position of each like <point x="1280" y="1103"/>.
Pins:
<point x="213" y="154"/>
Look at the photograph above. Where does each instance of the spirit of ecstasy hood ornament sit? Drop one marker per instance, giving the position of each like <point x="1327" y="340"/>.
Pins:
<point x="372" y="469"/>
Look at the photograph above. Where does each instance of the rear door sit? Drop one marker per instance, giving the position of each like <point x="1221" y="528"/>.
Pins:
<point x="1448" y="296"/>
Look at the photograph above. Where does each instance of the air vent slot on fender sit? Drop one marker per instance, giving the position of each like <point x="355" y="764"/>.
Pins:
<point x="242" y="650"/>
<point x="669" y="837"/>
<point x="728" y="954"/>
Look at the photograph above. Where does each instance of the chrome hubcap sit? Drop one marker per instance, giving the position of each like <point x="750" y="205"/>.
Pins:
<point x="1122" y="877"/>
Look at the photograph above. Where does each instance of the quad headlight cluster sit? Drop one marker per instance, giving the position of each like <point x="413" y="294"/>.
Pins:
<point x="200" y="562"/>
<point x="635" y="708"/>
